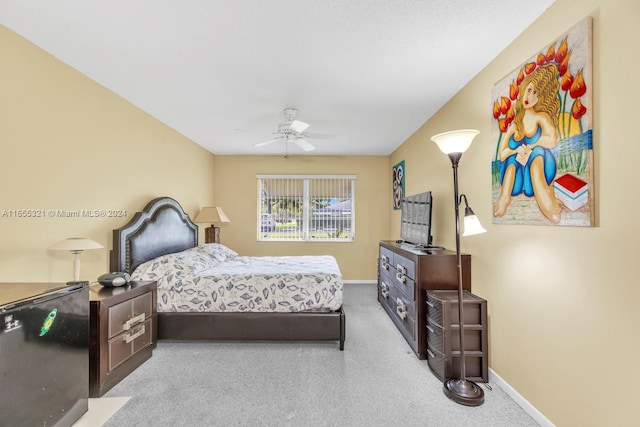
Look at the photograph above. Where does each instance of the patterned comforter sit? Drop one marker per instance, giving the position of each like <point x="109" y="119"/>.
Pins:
<point x="213" y="278"/>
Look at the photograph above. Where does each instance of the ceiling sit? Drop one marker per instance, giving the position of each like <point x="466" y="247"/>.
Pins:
<point x="365" y="74"/>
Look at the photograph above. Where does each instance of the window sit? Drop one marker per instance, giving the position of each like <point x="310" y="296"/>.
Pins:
<point x="306" y="207"/>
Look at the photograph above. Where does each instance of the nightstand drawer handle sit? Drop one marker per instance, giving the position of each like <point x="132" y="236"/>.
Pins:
<point x="133" y="335"/>
<point x="401" y="278"/>
<point x="402" y="269"/>
<point x="431" y="354"/>
<point x="430" y="304"/>
<point x="133" y="321"/>
<point x="430" y="329"/>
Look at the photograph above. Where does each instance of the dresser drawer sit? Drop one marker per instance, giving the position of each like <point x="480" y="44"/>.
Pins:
<point x="404" y="312"/>
<point x="405" y="266"/>
<point x="406" y="284"/>
<point x="127" y="314"/>
<point x="403" y="300"/>
<point x="129" y="343"/>
<point x="386" y="257"/>
<point x="385" y="286"/>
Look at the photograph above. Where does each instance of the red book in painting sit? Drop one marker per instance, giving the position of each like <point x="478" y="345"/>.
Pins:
<point x="572" y="191"/>
<point x="571" y="183"/>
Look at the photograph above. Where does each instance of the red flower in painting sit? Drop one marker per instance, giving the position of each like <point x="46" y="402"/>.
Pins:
<point x="541" y="59"/>
<point x="578" y="87"/>
<point x="578" y="109"/>
<point x="528" y="68"/>
<point x="564" y="65"/>
<point x="496" y="109"/>
<point x="520" y="76"/>
<point x="503" y="125"/>
<point x="505" y="103"/>
<point x="513" y="91"/>
<point x="566" y="81"/>
<point x="510" y="115"/>
<point x="551" y="53"/>
<point x="562" y="51"/>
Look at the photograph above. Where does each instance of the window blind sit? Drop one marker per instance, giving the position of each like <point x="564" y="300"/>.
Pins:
<point x="306" y="207"/>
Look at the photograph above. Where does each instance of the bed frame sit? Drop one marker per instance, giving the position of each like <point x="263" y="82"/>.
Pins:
<point x="163" y="228"/>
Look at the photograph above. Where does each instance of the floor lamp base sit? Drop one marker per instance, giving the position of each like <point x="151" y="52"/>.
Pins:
<point x="464" y="392"/>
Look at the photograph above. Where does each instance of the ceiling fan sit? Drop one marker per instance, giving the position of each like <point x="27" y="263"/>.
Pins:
<point x="291" y="130"/>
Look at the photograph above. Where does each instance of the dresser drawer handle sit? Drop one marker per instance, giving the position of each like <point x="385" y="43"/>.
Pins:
<point x="384" y="290"/>
<point x="401" y="309"/>
<point x="430" y="329"/>
<point x="402" y="269"/>
<point x="385" y="266"/>
<point x="133" y="321"/>
<point x="431" y="354"/>
<point x="401" y="278"/>
<point x="385" y="259"/>
<point x="134" y="334"/>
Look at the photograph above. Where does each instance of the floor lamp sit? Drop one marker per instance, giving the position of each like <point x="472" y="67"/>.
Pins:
<point x="453" y="144"/>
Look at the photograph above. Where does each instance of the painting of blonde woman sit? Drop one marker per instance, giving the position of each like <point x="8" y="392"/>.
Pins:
<point x="543" y="166"/>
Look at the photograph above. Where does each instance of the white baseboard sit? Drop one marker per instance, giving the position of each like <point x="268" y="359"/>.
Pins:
<point x="521" y="401"/>
<point x="368" y="282"/>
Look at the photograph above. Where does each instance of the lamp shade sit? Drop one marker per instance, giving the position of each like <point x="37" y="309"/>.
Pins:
<point x="455" y="141"/>
<point x="211" y="215"/>
<point x="75" y="244"/>
<point x="472" y="226"/>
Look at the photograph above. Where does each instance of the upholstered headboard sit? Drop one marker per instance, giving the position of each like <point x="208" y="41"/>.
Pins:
<point x="161" y="228"/>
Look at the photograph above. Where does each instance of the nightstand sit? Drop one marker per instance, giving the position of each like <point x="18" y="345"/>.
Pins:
<point x="122" y="332"/>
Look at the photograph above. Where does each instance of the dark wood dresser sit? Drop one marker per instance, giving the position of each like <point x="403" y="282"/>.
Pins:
<point x="443" y="336"/>
<point x="404" y="275"/>
<point x="123" y="332"/>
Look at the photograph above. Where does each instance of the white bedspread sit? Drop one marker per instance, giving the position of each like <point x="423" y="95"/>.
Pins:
<point x="212" y="278"/>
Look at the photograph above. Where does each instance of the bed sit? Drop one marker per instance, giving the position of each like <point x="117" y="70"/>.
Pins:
<point x="209" y="292"/>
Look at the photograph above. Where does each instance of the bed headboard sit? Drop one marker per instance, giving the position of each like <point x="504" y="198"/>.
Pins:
<point x="161" y="228"/>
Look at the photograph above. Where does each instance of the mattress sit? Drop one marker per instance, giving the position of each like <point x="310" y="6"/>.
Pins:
<point x="213" y="278"/>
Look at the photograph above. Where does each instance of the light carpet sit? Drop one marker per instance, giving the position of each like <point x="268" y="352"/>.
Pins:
<point x="376" y="381"/>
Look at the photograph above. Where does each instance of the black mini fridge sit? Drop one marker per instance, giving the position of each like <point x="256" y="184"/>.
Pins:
<point x="44" y="353"/>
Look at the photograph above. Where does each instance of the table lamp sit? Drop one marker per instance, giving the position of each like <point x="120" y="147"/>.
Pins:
<point x="211" y="215"/>
<point x="75" y="245"/>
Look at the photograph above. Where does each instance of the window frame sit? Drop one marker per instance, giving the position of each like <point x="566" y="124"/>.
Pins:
<point x="306" y="234"/>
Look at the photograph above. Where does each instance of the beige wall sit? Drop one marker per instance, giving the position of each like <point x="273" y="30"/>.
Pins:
<point x="68" y="144"/>
<point x="563" y="301"/>
<point x="236" y="192"/>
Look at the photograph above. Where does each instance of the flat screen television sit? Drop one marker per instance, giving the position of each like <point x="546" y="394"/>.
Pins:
<point x="416" y="220"/>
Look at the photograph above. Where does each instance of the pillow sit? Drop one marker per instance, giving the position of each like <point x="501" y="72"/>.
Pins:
<point x="216" y="252"/>
<point x="180" y="263"/>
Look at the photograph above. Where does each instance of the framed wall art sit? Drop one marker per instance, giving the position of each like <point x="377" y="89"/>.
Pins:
<point x="542" y="169"/>
<point x="398" y="185"/>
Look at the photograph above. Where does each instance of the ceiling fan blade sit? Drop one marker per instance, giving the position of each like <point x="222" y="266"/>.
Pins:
<point x="298" y="126"/>
<point x="262" y="144"/>
<point x="305" y="145"/>
<point x="315" y="135"/>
